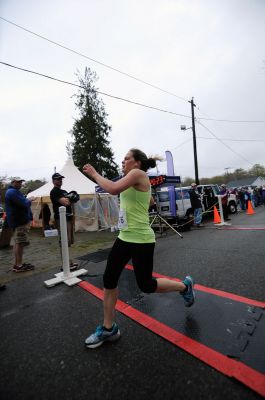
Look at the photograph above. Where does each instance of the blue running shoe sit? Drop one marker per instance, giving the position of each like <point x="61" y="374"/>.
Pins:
<point x="189" y="294"/>
<point x="101" y="335"/>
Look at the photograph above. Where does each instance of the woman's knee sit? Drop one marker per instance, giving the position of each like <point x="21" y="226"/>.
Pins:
<point x="149" y="286"/>
<point x="109" y="282"/>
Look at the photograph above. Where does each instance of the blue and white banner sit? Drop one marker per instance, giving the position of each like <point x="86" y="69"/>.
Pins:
<point x="171" y="188"/>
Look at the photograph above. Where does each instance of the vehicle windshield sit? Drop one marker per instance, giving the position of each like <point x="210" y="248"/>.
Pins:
<point x="163" y="196"/>
<point x="216" y="189"/>
<point x="182" y="194"/>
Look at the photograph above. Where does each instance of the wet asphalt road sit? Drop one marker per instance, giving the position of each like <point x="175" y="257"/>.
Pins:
<point x="42" y="330"/>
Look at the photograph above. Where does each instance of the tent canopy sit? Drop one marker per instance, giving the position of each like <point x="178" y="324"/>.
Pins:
<point x="74" y="180"/>
<point x="92" y="212"/>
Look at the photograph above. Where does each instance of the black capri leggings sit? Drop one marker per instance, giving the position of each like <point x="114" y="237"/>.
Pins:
<point x="142" y="260"/>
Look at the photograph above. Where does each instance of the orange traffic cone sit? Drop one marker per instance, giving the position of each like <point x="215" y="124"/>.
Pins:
<point x="250" y="210"/>
<point x="216" y="216"/>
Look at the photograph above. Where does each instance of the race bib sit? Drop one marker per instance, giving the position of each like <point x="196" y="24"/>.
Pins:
<point x="122" y="224"/>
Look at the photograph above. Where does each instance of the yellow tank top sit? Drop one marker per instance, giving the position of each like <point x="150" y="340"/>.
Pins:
<point x="134" y="205"/>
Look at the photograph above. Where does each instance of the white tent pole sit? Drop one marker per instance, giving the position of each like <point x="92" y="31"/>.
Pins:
<point x="97" y="209"/>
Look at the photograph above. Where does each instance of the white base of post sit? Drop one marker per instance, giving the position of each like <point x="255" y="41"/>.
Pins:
<point x="69" y="279"/>
<point x="222" y="224"/>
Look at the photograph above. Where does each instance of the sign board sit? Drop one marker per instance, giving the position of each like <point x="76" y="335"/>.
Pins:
<point x="51" y="232"/>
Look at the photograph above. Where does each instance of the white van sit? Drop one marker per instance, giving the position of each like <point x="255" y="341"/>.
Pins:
<point x="183" y="205"/>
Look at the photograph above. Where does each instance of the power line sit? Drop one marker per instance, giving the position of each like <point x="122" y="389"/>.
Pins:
<point x="233" y="140"/>
<point x="220" y="140"/>
<point x="207" y="118"/>
<point x="181" y="144"/>
<point x="123" y="73"/>
<point x="136" y="103"/>
<point x="97" y="91"/>
<point x="91" y="59"/>
<point x="233" y="120"/>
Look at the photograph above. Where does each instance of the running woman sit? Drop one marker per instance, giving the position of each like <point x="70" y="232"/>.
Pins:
<point x="136" y="241"/>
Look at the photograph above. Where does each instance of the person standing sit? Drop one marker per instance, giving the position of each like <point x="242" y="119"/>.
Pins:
<point x="59" y="198"/>
<point x="19" y="216"/>
<point x="136" y="241"/>
<point x="241" y="196"/>
<point x="224" y="198"/>
<point x="195" y="199"/>
<point x="45" y="215"/>
<point x="263" y="195"/>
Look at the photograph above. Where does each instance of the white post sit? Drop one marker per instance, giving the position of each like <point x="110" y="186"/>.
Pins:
<point x="67" y="277"/>
<point x="221" y="211"/>
<point x="64" y="241"/>
<point x="221" y="208"/>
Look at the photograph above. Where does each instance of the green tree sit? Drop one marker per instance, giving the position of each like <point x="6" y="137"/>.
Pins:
<point x="186" y="181"/>
<point x="3" y="186"/>
<point x="91" y="131"/>
<point x="240" y="173"/>
<point x="31" y="185"/>
<point x="257" y="170"/>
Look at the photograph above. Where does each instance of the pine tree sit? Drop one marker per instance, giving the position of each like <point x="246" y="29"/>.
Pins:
<point x="91" y="131"/>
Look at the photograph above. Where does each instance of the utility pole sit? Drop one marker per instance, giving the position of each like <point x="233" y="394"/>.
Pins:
<point x="194" y="142"/>
<point x="226" y="174"/>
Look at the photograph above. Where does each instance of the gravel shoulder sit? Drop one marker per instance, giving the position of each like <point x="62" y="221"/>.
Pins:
<point x="44" y="252"/>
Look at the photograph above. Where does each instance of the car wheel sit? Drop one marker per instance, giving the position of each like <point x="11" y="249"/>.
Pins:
<point x="232" y="207"/>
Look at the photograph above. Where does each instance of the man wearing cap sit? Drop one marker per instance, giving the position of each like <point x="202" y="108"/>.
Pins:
<point x="59" y="198"/>
<point x="19" y="216"/>
<point x="195" y="199"/>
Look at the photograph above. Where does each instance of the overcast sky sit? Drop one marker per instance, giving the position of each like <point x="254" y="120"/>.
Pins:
<point x="211" y="50"/>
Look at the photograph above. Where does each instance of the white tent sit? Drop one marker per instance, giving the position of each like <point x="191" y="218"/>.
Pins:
<point x="92" y="212"/>
<point x="74" y="180"/>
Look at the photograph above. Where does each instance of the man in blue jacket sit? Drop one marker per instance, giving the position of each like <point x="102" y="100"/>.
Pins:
<point x="195" y="200"/>
<point x="19" y="217"/>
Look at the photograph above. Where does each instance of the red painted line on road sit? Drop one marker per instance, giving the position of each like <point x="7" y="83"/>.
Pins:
<point x="230" y="367"/>
<point x="215" y="292"/>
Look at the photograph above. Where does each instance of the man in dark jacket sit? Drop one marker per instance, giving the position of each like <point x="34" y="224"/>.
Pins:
<point x="18" y="214"/>
<point x="195" y="199"/>
<point x="59" y="198"/>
